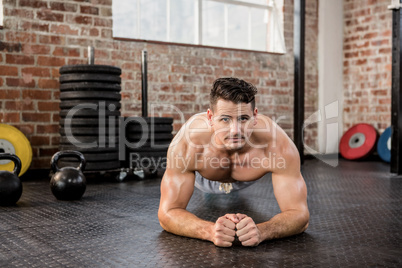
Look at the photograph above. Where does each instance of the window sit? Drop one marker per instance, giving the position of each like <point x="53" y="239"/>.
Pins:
<point x="241" y="24"/>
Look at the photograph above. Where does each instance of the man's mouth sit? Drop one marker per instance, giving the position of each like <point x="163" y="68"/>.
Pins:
<point x="235" y="139"/>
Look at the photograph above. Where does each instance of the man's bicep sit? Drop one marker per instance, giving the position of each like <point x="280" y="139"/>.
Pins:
<point x="290" y="191"/>
<point x="176" y="189"/>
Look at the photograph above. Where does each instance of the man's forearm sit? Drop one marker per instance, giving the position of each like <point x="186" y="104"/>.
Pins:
<point x="181" y="222"/>
<point x="284" y="224"/>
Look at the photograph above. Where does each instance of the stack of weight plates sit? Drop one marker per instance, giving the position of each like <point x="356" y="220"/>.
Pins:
<point x="147" y="142"/>
<point x="89" y="114"/>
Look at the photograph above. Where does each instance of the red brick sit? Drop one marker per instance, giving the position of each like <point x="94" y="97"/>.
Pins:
<point x="103" y="22"/>
<point x="36" y="71"/>
<point x="36" y="94"/>
<point x="69" y="7"/>
<point x="16" y="12"/>
<point x="11" y="118"/>
<point x="67" y="52"/>
<point x="39" y="140"/>
<point x="51" y="61"/>
<point x="63" y="30"/>
<point x="181" y="69"/>
<point x="35" y="117"/>
<point x="387" y="50"/>
<point x="8" y="70"/>
<point x="48" y="15"/>
<point x="44" y="129"/>
<point x="19" y="105"/>
<point x="19" y="59"/>
<point x="49" y="151"/>
<point x="34" y="26"/>
<point x="33" y="3"/>
<point x="9" y="94"/>
<point x="19" y="82"/>
<point x="48" y="106"/>
<point x="370" y="35"/>
<point x="48" y="83"/>
<point x="79" y="19"/>
<point x="202" y="70"/>
<point x="35" y="49"/>
<point x="52" y="39"/>
<point x="89" y="10"/>
<point x="89" y="32"/>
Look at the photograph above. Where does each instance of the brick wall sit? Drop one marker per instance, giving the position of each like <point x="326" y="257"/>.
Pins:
<point x="40" y="36"/>
<point x="367" y="63"/>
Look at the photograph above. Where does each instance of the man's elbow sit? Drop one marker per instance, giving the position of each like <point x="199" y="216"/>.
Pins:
<point x="305" y="221"/>
<point x="162" y="219"/>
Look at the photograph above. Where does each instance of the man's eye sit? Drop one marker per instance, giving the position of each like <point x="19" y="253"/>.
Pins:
<point x="225" y="120"/>
<point x="243" y="119"/>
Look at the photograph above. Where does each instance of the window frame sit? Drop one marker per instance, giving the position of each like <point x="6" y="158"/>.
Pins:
<point x="199" y="27"/>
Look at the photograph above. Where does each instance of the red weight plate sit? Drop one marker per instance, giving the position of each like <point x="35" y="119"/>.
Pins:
<point x="358" y="142"/>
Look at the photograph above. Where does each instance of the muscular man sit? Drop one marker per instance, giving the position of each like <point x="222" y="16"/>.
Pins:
<point x="226" y="149"/>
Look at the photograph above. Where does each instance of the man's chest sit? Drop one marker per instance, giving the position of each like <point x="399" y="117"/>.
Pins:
<point x="236" y="167"/>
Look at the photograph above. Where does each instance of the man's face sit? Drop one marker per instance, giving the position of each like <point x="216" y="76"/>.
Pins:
<point x="232" y="123"/>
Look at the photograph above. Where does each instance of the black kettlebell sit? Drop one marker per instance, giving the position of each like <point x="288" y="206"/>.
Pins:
<point x="10" y="184"/>
<point x="68" y="183"/>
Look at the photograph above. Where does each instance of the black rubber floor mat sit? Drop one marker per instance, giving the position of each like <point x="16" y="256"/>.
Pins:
<point x="356" y="219"/>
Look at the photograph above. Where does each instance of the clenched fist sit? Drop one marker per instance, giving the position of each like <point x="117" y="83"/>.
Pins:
<point x="247" y="231"/>
<point x="225" y="230"/>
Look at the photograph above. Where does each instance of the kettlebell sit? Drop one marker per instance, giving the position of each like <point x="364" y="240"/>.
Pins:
<point x="68" y="183"/>
<point x="10" y="184"/>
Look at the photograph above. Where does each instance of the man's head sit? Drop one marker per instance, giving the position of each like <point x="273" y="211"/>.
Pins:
<point x="232" y="113"/>
<point x="234" y="90"/>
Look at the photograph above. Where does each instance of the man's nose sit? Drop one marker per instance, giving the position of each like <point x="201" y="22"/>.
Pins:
<point x="234" y="127"/>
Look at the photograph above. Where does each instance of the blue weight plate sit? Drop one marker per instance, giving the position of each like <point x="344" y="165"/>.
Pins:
<point x="384" y="145"/>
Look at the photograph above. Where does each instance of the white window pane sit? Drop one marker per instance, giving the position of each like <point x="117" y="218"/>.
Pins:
<point x="213" y="24"/>
<point x="260" y="2"/>
<point x="153" y="20"/>
<point x="182" y="21"/>
<point x="124" y="24"/>
<point x="258" y="29"/>
<point x="237" y="26"/>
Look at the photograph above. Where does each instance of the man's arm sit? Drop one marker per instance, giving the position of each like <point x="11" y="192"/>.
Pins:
<point x="176" y="190"/>
<point x="291" y="194"/>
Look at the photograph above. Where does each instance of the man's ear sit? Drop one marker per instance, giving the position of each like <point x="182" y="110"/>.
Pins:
<point x="255" y="113"/>
<point x="209" y="117"/>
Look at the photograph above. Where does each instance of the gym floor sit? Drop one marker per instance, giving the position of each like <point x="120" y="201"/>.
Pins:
<point x="356" y="220"/>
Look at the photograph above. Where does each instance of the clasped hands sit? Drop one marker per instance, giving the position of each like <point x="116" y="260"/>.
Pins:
<point x="231" y="225"/>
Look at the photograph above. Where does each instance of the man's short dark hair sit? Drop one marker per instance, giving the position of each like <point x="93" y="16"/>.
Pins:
<point x="232" y="89"/>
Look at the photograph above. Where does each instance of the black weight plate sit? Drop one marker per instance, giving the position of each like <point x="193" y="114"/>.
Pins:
<point x="98" y="150"/>
<point x="147" y="149"/>
<point x="89" y="77"/>
<point x="66" y="104"/>
<point x="156" y="144"/>
<point x="148" y="154"/>
<point x="137" y="128"/>
<point x="96" y="157"/>
<point x="91" y="166"/>
<point x="149" y="120"/>
<point x="103" y="95"/>
<point x="149" y="135"/>
<point x="86" y="122"/>
<point x="88" y="139"/>
<point x="85" y="68"/>
<point x="86" y="131"/>
<point x="87" y="86"/>
<point x="87" y="113"/>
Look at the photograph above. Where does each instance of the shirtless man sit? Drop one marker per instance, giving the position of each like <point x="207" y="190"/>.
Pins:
<point x="226" y="149"/>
